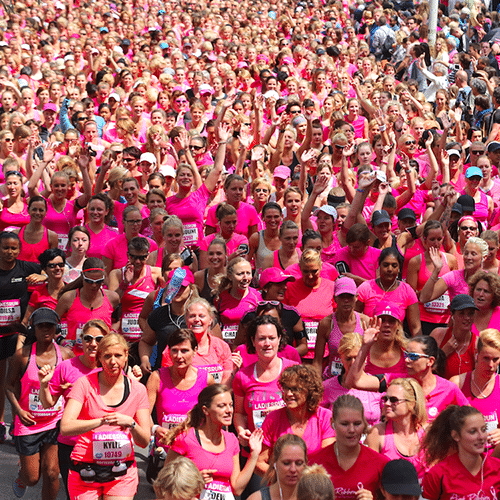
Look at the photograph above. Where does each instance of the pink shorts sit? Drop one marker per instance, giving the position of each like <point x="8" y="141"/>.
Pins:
<point x="125" y="486"/>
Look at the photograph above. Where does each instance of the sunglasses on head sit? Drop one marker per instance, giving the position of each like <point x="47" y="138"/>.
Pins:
<point x="266" y="302"/>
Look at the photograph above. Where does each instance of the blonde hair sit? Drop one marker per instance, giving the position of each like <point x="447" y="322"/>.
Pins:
<point x="315" y="484"/>
<point x="348" y="342"/>
<point x="179" y="479"/>
<point x="489" y="338"/>
<point x="413" y="394"/>
<point x="310" y="256"/>
<point x="108" y="341"/>
<point x="480" y="243"/>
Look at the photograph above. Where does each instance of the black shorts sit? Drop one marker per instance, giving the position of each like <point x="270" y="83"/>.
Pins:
<point x="33" y="443"/>
<point x="7" y="346"/>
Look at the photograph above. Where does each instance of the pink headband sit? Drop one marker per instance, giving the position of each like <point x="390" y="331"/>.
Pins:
<point x="465" y="217"/>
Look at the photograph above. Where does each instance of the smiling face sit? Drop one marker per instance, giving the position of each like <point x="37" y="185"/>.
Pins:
<point x="173" y="238"/>
<point x="198" y="320"/>
<point x="220" y="411"/>
<point x="97" y="211"/>
<point x="90" y="346"/>
<point x="396" y="410"/>
<point x="272" y="219"/>
<point x="9" y="250"/>
<point x="472" y="436"/>
<point x="241" y="276"/>
<point x="473" y="257"/>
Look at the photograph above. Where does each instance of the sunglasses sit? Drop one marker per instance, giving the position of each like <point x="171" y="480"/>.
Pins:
<point x="468" y="228"/>
<point x="265" y="302"/>
<point x="126" y="160"/>
<point x="338" y="146"/>
<point x="408" y="143"/>
<point x="81" y="119"/>
<point x="196" y="148"/>
<point x="142" y="258"/>
<point x="414" y="356"/>
<point x="89" y="338"/>
<point x="53" y="265"/>
<point x="13" y="172"/>
<point x="477" y="153"/>
<point x="261" y="190"/>
<point x="8" y="139"/>
<point x="100" y="281"/>
<point x="393" y="400"/>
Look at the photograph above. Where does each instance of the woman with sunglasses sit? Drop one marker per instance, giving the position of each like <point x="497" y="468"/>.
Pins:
<point x="84" y="299"/>
<point x="483" y="203"/>
<point x="424" y="362"/>
<point x="460" y="466"/>
<point x="133" y="283"/>
<point x="302" y="392"/>
<point x="455" y="282"/>
<point x="14" y="213"/>
<point x="236" y="244"/>
<point x="6" y="144"/>
<point x="185" y="204"/>
<point x="57" y="382"/>
<point x="401" y="433"/>
<point x="173" y="238"/>
<point x="100" y="213"/>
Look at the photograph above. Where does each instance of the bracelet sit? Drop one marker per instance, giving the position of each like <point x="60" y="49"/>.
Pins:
<point x="153" y="430"/>
<point x="434" y="279"/>
<point x="222" y="142"/>
<point x="382" y="128"/>
<point x="360" y="190"/>
<point x="408" y="171"/>
<point x="132" y="426"/>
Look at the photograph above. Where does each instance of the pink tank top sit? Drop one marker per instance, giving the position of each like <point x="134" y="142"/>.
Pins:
<point x="29" y="400"/>
<point x="61" y="222"/>
<point x="334" y="367"/>
<point x="416" y="249"/>
<point x="31" y="251"/>
<point x="172" y="404"/>
<point x="399" y="369"/>
<point x="78" y="315"/>
<point x="10" y="221"/>
<point x="132" y="302"/>
<point x="437" y="310"/>
<point x="392" y="453"/>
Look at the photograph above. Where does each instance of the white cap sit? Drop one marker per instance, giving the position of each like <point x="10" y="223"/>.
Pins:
<point x="454" y="152"/>
<point x="69" y="57"/>
<point x="381" y="176"/>
<point x="167" y="171"/>
<point x="25" y="46"/>
<point x="118" y="49"/>
<point x="148" y="157"/>
<point x="115" y="96"/>
<point x="271" y="94"/>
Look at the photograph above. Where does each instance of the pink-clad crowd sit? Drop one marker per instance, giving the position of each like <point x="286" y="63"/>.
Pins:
<point x="259" y="239"/>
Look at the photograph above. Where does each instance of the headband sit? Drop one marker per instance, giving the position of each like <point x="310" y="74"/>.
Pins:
<point x="465" y="217"/>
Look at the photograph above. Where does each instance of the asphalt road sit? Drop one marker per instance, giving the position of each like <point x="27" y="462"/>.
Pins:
<point x="9" y="460"/>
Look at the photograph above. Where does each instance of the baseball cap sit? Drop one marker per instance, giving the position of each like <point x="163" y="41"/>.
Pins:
<point x="164" y="45"/>
<point x="168" y="171"/>
<point x="188" y="279"/>
<point x="273" y="275"/>
<point x="379" y="175"/>
<point x="271" y="94"/>
<point x="467" y="202"/>
<point x="45" y="315"/>
<point x="114" y="96"/>
<point x="389" y="310"/>
<point x="50" y="106"/>
<point x="282" y="172"/>
<point x="126" y="41"/>
<point x="206" y="89"/>
<point x="399" y="477"/>
<point x="462" y="301"/>
<point x="493" y="146"/>
<point x="379" y="217"/>
<point x="473" y="172"/>
<point x="457" y="208"/>
<point x="148" y="157"/>
<point x="327" y="209"/>
<point x="455" y="152"/>
<point x="407" y="213"/>
<point x="345" y="285"/>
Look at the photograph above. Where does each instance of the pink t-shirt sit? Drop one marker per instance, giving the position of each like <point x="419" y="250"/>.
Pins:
<point x="117" y="248"/>
<point x="232" y="244"/>
<point x="246" y="214"/>
<point x="364" y="267"/>
<point x="365" y="473"/>
<point x="98" y="241"/>
<point x="188" y="446"/>
<point x="451" y="480"/>
<point x="287" y="352"/>
<point x="10" y="221"/>
<point x="455" y="281"/>
<point x="260" y="398"/>
<point x="86" y="391"/>
<point x="190" y="211"/>
<point x="359" y="126"/>
<point x="445" y="393"/>
<point x="118" y="213"/>
<point x="327" y="271"/>
<point x="318" y="428"/>
<point x="68" y="371"/>
<point x="370" y="294"/>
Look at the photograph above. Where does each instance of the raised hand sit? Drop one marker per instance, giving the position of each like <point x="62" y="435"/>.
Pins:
<point x="45" y="374"/>
<point x="436" y="258"/>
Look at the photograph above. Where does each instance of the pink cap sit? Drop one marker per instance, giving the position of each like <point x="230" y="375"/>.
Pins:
<point x="273" y="275"/>
<point x="287" y="60"/>
<point x="50" y="106"/>
<point x="282" y="172"/>
<point x="389" y="310"/>
<point x="345" y="285"/>
<point x="242" y="64"/>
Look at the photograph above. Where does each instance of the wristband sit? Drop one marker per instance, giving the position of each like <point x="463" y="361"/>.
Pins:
<point x="360" y="190"/>
<point x="398" y="129"/>
<point x="153" y="430"/>
<point x="434" y="279"/>
<point x="382" y="128"/>
<point x="408" y="171"/>
<point x="132" y="426"/>
<point x="222" y="142"/>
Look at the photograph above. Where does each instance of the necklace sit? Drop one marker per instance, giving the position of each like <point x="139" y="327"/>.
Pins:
<point x="478" y="388"/>
<point x="179" y="321"/>
<point x="382" y="286"/>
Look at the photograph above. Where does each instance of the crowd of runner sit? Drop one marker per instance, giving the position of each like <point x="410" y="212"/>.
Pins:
<point x="259" y="235"/>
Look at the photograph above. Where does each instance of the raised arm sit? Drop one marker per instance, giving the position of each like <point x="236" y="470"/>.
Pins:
<point x="434" y="286"/>
<point x="224" y="132"/>
<point x="305" y="219"/>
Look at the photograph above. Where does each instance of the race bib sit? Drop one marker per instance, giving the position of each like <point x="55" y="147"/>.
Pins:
<point x="312" y="333"/>
<point x="260" y="410"/>
<point x="190" y="234"/>
<point x="10" y="311"/>
<point x="62" y="242"/>
<point x="217" y="490"/>
<point x="229" y="333"/>
<point x="172" y="420"/>
<point x="491" y="421"/>
<point x="109" y="447"/>
<point x="141" y="294"/>
<point x="336" y="367"/>
<point x="36" y="408"/>
<point x="130" y="327"/>
<point x="215" y="370"/>
<point x="439" y="305"/>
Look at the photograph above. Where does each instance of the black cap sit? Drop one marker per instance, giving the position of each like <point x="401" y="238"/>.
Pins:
<point x="462" y="301"/>
<point x="126" y="41"/>
<point x="400" y="477"/>
<point x="45" y="315"/>
<point x="407" y="213"/>
<point x="379" y="217"/>
<point x="457" y="208"/>
<point x="493" y="146"/>
<point x="467" y="202"/>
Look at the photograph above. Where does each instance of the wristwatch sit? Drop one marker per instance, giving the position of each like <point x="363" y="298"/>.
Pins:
<point x="133" y="425"/>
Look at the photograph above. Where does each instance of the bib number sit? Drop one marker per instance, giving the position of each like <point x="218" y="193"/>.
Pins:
<point x="312" y="333"/>
<point x="37" y="409"/>
<point x="336" y="367"/>
<point x="263" y="409"/>
<point x="62" y="242"/>
<point x="130" y="327"/>
<point x="109" y="447"/>
<point x="229" y="333"/>
<point x="190" y="234"/>
<point x="215" y="370"/>
<point x="439" y="305"/>
<point x="217" y="490"/>
<point x="170" y="421"/>
<point x="10" y="311"/>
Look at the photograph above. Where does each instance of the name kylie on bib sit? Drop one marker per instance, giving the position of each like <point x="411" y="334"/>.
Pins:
<point x="109" y="447"/>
